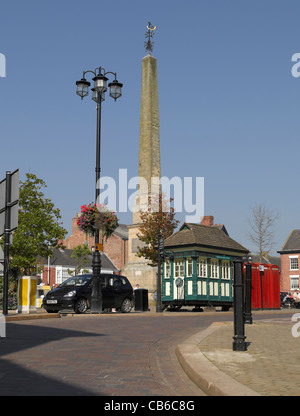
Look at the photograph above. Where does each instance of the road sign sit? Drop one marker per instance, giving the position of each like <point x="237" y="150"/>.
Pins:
<point x="9" y="209"/>
<point x="99" y="247"/>
<point x="9" y="201"/>
<point x="161" y="245"/>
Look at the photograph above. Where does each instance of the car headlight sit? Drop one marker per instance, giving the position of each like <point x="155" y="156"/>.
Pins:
<point x="70" y="294"/>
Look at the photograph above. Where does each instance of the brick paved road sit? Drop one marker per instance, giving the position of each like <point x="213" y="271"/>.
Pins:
<point x="111" y="355"/>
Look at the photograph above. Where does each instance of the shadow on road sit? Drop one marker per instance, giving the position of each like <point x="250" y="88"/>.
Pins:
<point x="38" y="342"/>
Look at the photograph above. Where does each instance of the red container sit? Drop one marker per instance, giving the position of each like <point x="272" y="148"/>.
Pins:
<point x="265" y="292"/>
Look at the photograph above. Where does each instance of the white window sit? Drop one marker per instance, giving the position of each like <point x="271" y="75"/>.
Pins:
<point x="294" y="263"/>
<point x="294" y="282"/>
<point x="178" y="268"/>
<point x="167" y="269"/>
<point x="63" y="273"/>
<point x="189" y="267"/>
<point x="214" y="268"/>
<point x="202" y="267"/>
<point x="225" y="269"/>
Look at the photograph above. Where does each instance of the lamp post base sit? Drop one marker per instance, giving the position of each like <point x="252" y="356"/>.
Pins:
<point x="96" y="298"/>
<point x="239" y="343"/>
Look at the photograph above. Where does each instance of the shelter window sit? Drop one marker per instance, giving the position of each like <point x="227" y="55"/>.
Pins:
<point x="189" y="267"/>
<point x="214" y="268"/>
<point x="167" y="269"/>
<point x="202" y="267"/>
<point x="179" y="268"/>
<point x="225" y="269"/>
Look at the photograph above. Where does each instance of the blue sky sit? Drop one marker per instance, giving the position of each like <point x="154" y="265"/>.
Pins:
<point x="229" y="105"/>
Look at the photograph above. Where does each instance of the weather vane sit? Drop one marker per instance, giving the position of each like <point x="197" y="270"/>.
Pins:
<point x="149" y="35"/>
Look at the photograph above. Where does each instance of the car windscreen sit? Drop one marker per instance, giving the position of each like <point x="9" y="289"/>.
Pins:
<point x="76" y="281"/>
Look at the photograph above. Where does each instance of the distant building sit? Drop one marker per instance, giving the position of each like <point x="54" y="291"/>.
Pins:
<point x="60" y="266"/>
<point x="290" y="254"/>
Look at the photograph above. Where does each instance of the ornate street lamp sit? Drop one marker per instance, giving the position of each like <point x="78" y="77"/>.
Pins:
<point x="115" y="89"/>
<point x="99" y="89"/>
<point x="82" y="88"/>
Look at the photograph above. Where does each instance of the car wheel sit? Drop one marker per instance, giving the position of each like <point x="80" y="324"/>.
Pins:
<point x="81" y="306"/>
<point x="126" y="306"/>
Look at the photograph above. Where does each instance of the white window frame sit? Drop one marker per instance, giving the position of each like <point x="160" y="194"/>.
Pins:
<point x="167" y="269"/>
<point x="294" y="282"/>
<point x="189" y="267"/>
<point x="201" y="267"/>
<point x="62" y="274"/>
<point x="178" y="268"/>
<point x="214" y="269"/>
<point x="225" y="269"/>
<point x="294" y="262"/>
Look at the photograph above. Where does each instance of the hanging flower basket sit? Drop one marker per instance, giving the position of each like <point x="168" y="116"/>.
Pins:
<point x="97" y="217"/>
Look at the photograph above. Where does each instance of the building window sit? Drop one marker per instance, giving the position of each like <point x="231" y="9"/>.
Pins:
<point x="225" y="269"/>
<point x="201" y="267"/>
<point x="167" y="269"/>
<point x="214" y="268"/>
<point x="189" y="267"/>
<point x="64" y="273"/>
<point x="294" y="282"/>
<point x="178" y="268"/>
<point x="294" y="263"/>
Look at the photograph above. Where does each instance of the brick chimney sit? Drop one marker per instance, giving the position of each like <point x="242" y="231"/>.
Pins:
<point x="207" y="220"/>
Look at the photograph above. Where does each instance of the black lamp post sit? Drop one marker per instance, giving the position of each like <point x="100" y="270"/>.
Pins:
<point x="100" y="87"/>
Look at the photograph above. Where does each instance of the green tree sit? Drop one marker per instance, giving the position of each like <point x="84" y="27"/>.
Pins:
<point x="80" y="254"/>
<point x="159" y="216"/>
<point x="39" y="229"/>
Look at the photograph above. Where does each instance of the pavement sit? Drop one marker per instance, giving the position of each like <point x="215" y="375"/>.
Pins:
<point x="269" y="367"/>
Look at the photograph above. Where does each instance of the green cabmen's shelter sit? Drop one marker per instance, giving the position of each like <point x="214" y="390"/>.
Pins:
<point x="199" y="269"/>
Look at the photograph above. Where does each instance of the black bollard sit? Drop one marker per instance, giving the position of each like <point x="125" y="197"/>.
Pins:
<point x="239" y="343"/>
<point x="248" y="288"/>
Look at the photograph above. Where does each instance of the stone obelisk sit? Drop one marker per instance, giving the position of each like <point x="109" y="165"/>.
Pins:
<point x="149" y="150"/>
<point x="137" y="269"/>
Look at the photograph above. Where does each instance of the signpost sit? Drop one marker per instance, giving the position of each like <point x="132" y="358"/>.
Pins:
<point x="9" y="209"/>
<point x="160" y="253"/>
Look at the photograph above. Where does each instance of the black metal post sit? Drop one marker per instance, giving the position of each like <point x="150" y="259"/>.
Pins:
<point x="96" y="297"/>
<point x="248" y="288"/>
<point x="6" y="241"/>
<point x="239" y="343"/>
<point x="261" y="289"/>
<point x="158" y="281"/>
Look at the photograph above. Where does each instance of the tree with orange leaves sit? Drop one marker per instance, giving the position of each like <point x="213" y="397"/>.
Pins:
<point x="159" y="217"/>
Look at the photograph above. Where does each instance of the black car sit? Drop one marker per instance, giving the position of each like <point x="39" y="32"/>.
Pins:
<point x="75" y="293"/>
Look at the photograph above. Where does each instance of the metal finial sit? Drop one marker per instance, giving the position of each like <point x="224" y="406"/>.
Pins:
<point x="149" y="35"/>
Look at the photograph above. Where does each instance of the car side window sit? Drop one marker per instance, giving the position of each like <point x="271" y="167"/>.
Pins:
<point x="117" y="282"/>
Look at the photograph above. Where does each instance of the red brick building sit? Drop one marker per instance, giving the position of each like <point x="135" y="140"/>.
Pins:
<point x="115" y="247"/>
<point x="290" y="259"/>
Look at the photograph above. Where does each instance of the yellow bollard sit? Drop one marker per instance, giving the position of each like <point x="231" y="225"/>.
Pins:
<point x="27" y="294"/>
